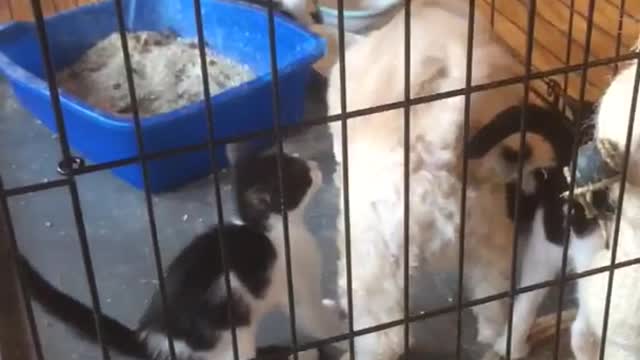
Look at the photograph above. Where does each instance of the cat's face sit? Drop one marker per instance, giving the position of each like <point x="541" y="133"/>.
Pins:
<point x="258" y="188"/>
<point x="495" y="148"/>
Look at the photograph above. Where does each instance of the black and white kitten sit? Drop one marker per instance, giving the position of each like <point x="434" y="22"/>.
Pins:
<point x="542" y="214"/>
<point x="197" y="299"/>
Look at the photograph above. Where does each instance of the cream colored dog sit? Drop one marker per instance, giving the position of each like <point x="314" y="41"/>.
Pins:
<point x="375" y="76"/>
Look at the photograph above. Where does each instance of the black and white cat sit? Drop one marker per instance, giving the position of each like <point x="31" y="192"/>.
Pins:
<point x="196" y="295"/>
<point x="542" y="214"/>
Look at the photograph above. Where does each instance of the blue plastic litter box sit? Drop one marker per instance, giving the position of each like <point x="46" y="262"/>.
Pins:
<point x="236" y="30"/>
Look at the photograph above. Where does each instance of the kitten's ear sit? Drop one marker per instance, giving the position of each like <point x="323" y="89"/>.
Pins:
<point x="258" y="198"/>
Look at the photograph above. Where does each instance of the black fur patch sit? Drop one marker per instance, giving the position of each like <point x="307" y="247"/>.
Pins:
<point x="527" y="207"/>
<point x="548" y="123"/>
<point x="555" y="218"/>
<point x="512" y="156"/>
<point x="258" y="191"/>
<point x="550" y="183"/>
<point x="196" y="311"/>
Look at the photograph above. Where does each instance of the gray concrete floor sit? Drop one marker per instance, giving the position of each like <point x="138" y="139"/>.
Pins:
<point x="118" y="231"/>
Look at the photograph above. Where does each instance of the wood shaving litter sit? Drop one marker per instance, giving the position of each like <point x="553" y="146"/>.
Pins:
<point x="166" y="70"/>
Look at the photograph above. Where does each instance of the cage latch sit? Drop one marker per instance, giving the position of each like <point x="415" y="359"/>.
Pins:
<point x="67" y="166"/>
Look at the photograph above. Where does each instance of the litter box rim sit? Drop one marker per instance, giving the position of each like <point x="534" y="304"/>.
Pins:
<point x="359" y="13"/>
<point x="15" y="73"/>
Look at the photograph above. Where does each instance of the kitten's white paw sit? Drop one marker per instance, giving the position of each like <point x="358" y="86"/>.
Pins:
<point x="519" y="348"/>
<point x="488" y="332"/>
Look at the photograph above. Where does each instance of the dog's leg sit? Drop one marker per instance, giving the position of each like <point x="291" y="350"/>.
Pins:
<point x="377" y="290"/>
<point x="482" y="281"/>
<point x="542" y="260"/>
<point x="584" y="343"/>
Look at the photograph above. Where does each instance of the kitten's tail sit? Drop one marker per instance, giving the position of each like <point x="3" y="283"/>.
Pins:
<point x="79" y="316"/>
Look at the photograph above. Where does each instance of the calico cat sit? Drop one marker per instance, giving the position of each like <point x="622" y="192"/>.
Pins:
<point x="196" y="295"/>
<point x="542" y="214"/>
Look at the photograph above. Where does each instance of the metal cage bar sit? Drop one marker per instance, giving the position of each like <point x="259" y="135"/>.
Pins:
<point x="567" y="58"/>
<point x="279" y="154"/>
<point x="492" y="16"/>
<point x="345" y="175"/>
<point x="66" y="155"/>
<point x="424" y="315"/>
<point x="620" y="201"/>
<point x="147" y="194"/>
<point x="344" y="115"/>
<point x="621" y="15"/>
<point x="465" y="172"/>
<point x="216" y="175"/>
<point x="572" y="183"/>
<point x="530" y="36"/>
<point x="23" y="283"/>
<point x="406" y="178"/>
<point x="10" y="9"/>
<point x="24" y="189"/>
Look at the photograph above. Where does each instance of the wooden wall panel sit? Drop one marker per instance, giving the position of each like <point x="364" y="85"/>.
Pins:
<point x="5" y="11"/>
<point x="514" y="35"/>
<point x="607" y="18"/>
<point x="22" y="8"/>
<point x="65" y="4"/>
<point x="551" y="35"/>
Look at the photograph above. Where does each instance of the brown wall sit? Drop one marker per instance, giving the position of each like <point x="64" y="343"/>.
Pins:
<point x="551" y="34"/>
<point x="21" y="9"/>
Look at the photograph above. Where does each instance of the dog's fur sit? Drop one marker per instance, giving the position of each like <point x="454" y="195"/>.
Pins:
<point x="375" y="69"/>
<point x="623" y="332"/>
<point x="540" y="216"/>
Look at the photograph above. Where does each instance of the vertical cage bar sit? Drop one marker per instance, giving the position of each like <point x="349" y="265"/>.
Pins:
<point x="621" y="15"/>
<point x="145" y="174"/>
<point x="567" y="58"/>
<point x="574" y="155"/>
<point x="10" y="8"/>
<point x="345" y="174"/>
<point x="66" y="155"/>
<point x="492" y="18"/>
<point x="216" y="175"/>
<point x="616" y="231"/>
<point x="407" y="159"/>
<point x="279" y="154"/>
<point x="465" y="172"/>
<point x="14" y="251"/>
<point x="531" y="20"/>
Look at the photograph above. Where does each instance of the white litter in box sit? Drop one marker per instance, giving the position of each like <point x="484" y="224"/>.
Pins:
<point x="166" y="70"/>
